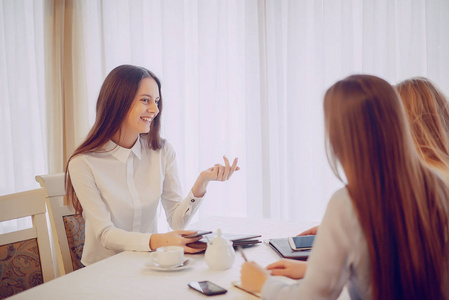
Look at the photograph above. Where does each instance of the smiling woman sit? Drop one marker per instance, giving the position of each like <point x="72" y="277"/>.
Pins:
<point x="122" y="170"/>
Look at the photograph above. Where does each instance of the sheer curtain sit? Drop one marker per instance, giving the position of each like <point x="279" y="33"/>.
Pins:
<point x="240" y="78"/>
<point x="22" y="118"/>
<point x="310" y="45"/>
<point x="22" y="106"/>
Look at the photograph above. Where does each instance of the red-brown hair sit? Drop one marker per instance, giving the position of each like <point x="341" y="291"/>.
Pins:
<point x="114" y="101"/>
<point x="402" y="205"/>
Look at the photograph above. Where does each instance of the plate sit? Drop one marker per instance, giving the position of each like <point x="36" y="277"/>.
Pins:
<point x="155" y="266"/>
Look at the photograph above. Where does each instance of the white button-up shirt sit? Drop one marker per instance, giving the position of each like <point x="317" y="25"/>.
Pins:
<point x="119" y="190"/>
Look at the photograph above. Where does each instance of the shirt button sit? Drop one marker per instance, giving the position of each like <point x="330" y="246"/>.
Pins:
<point x="193" y="200"/>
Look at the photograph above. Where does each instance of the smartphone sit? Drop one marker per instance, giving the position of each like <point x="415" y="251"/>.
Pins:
<point x="199" y="233"/>
<point x="207" y="288"/>
<point x="301" y="243"/>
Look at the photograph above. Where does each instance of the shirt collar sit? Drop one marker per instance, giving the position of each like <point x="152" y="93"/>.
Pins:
<point x="121" y="153"/>
<point x="137" y="148"/>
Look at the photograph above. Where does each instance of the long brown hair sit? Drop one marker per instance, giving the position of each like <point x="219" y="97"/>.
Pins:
<point x="428" y="113"/>
<point x="401" y="204"/>
<point x="114" y="101"/>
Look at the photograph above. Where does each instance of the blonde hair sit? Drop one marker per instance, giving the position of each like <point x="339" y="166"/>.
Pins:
<point x="401" y="204"/>
<point x="427" y="110"/>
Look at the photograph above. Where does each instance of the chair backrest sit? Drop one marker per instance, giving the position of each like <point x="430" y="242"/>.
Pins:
<point x="25" y="255"/>
<point x="68" y="228"/>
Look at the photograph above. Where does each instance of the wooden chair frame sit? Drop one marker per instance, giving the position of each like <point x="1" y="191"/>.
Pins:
<point x="29" y="204"/>
<point x="55" y="188"/>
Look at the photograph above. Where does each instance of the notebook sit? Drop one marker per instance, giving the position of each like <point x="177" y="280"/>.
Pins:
<point x="238" y="284"/>
<point x="282" y="247"/>
<point x="244" y="240"/>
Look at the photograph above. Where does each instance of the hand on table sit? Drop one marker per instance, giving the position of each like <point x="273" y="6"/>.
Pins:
<point x="289" y="268"/>
<point x="253" y="276"/>
<point x="311" y="231"/>
<point x="174" y="238"/>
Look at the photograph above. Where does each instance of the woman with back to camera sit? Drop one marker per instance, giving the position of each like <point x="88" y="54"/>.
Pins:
<point x="122" y="170"/>
<point x="385" y="234"/>
<point x="427" y="110"/>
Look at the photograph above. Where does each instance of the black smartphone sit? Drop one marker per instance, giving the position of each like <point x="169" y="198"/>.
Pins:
<point x="301" y="243"/>
<point x="207" y="288"/>
<point x="199" y="233"/>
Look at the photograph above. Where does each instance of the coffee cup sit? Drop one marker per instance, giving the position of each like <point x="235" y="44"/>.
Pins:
<point x="168" y="256"/>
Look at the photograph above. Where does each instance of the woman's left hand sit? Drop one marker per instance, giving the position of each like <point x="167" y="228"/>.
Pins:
<point x="253" y="276"/>
<point x="220" y="172"/>
<point x="289" y="268"/>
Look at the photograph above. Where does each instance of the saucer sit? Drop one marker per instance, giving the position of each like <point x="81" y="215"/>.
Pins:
<point x="155" y="266"/>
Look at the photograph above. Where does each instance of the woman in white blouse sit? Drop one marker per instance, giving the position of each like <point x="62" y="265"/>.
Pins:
<point x="118" y="175"/>
<point x="385" y="235"/>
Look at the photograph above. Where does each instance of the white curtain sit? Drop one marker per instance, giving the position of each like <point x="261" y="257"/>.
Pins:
<point x="22" y="117"/>
<point x="22" y="101"/>
<point x="310" y="45"/>
<point x="241" y="78"/>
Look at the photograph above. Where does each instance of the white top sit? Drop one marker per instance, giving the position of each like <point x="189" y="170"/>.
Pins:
<point x="339" y="257"/>
<point x="119" y="190"/>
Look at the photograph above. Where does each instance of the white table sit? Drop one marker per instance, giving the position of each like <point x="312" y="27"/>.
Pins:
<point x="125" y="276"/>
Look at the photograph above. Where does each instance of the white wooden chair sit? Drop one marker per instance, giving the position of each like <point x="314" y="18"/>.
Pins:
<point x="25" y="255"/>
<point x="67" y="228"/>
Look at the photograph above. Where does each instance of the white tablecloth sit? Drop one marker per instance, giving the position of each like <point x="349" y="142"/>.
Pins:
<point x="126" y="276"/>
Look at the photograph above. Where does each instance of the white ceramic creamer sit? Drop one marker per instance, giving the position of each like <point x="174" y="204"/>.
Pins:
<point x="219" y="254"/>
